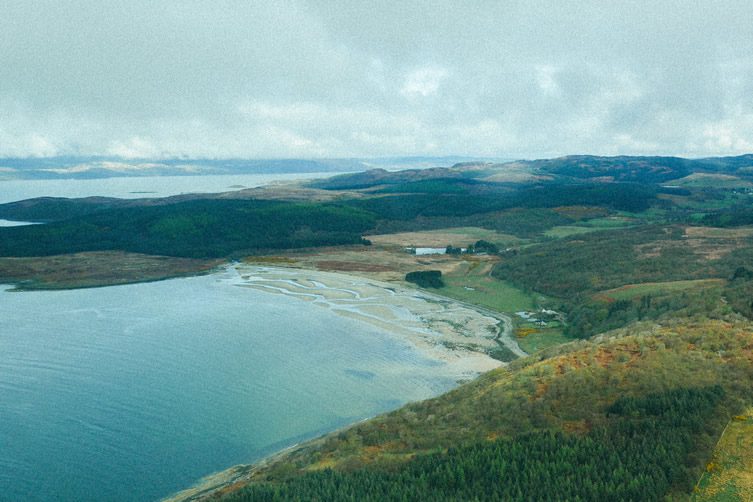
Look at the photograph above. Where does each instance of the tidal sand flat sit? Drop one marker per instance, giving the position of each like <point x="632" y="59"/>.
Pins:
<point x="134" y="392"/>
<point x="455" y="334"/>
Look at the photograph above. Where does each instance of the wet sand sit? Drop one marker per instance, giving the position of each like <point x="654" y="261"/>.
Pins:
<point x="442" y="329"/>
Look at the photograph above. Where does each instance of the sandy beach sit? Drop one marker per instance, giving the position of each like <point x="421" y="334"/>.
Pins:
<point x="442" y="329"/>
<point x="445" y="330"/>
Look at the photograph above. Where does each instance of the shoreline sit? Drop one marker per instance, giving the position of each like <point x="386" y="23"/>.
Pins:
<point x="438" y="327"/>
<point x="448" y="331"/>
<point x="95" y="269"/>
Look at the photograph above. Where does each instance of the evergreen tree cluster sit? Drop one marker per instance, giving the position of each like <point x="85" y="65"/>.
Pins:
<point x="426" y="278"/>
<point x="203" y="228"/>
<point x="646" y="451"/>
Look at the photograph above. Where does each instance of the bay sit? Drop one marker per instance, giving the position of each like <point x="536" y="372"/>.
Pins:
<point x="134" y="392"/>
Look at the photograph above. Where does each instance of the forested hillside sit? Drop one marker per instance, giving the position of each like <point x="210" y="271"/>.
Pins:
<point x="198" y="228"/>
<point x="632" y="415"/>
<point x="221" y="227"/>
<point x="551" y="193"/>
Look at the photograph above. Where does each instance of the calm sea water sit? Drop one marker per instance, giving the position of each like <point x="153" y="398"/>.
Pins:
<point x="134" y="392"/>
<point x="139" y="187"/>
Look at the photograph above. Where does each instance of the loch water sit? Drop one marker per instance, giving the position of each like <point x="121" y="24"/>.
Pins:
<point x="134" y="392"/>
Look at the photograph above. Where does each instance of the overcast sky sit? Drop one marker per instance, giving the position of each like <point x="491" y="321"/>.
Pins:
<point x="144" y="78"/>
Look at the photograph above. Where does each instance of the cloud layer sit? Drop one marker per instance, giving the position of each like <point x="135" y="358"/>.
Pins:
<point x="345" y="78"/>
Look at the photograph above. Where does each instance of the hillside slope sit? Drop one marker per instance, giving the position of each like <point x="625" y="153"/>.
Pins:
<point x="631" y="414"/>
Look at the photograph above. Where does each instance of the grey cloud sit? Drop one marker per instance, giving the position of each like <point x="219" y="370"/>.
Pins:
<point x="347" y="78"/>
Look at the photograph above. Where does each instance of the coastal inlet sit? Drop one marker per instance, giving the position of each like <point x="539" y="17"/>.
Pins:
<point x="134" y="392"/>
<point x="458" y="334"/>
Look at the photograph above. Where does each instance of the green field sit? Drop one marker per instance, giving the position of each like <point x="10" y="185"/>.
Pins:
<point x="656" y="288"/>
<point x="610" y="222"/>
<point x="469" y="235"/>
<point x="476" y="287"/>
<point x="650" y="215"/>
<point x="711" y="180"/>
<point x="568" y="230"/>
<point x="542" y="339"/>
<point x="711" y="200"/>
<point x="592" y="225"/>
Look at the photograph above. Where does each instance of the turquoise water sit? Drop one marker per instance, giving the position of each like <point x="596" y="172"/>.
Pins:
<point x="134" y="392"/>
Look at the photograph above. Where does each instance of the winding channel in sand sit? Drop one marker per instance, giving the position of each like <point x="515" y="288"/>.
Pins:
<point x="456" y="333"/>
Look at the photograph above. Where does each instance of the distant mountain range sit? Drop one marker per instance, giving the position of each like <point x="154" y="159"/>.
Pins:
<point x="642" y="169"/>
<point x="106" y="167"/>
<point x="382" y="170"/>
<point x="573" y="168"/>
